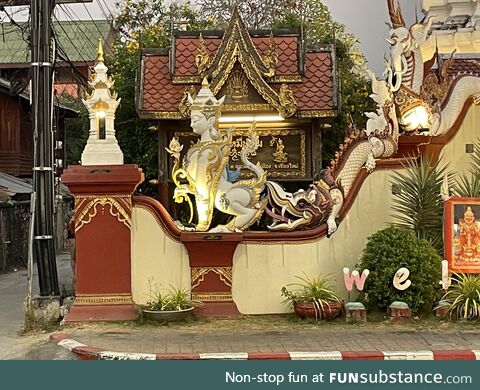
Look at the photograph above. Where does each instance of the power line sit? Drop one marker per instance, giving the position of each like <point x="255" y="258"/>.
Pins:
<point x="96" y="26"/>
<point x="87" y="40"/>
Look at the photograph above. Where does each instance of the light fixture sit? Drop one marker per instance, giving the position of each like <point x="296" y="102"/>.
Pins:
<point x="416" y="118"/>
<point x="101" y="114"/>
<point x="250" y="118"/>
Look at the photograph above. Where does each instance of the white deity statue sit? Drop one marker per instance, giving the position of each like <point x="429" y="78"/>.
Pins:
<point x="206" y="174"/>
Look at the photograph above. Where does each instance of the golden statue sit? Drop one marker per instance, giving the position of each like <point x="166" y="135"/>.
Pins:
<point x="279" y="155"/>
<point x="468" y="240"/>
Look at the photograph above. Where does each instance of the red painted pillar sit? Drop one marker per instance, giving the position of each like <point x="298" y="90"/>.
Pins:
<point x="103" y="210"/>
<point x="211" y="262"/>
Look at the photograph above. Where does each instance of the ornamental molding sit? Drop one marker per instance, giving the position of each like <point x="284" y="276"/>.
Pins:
<point x="107" y="299"/>
<point x="87" y="208"/>
<point x="224" y="273"/>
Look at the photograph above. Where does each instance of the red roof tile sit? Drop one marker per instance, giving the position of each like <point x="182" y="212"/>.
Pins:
<point x="185" y="51"/>
<point x="462" y="66"/>
<point x="316" y="90"/>
<point x="159" y="94"/>
<point x="314" y="93"/>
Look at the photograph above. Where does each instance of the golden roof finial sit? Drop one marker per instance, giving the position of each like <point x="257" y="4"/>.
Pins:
<point x="205" y="83"/>
<point x="100" y="51"/>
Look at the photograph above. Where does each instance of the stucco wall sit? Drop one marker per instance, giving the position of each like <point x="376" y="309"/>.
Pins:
<point x="155" y="256"/>
<point x="260" y="270"/>
<point x="454" y="152"/>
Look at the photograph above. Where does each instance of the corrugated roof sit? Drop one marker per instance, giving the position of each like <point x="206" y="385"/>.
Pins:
<point x="11" y="185"/>
<point x="79" y="39"/>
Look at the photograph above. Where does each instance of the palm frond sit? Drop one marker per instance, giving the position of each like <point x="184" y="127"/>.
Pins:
<point x="419" y="205"/>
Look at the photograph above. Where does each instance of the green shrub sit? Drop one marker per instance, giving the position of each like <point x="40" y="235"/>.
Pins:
<point x="389" y="250"/>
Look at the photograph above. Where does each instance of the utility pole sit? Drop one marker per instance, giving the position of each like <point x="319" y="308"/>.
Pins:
<point x="43" y="206"/>
<point x="43" y="170"/>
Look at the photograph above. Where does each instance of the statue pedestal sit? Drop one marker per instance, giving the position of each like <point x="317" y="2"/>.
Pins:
<point x="211" y="261"/>
<point x="103" y="208"/>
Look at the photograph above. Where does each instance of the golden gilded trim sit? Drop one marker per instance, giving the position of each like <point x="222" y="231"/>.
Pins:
<point x="202" y="59"/>
<point x="237" y="86"/>
<point x="213" y="297"/>
<point x="85" y="214"/>
<point x="107" y="299"/>
<point x="100" y="105"/>
<point x="286" y="79"/>
<point x="186" y="79"/>
<point x="270" y="58"/>
<point x="198" y="275"/>
<point x="247" y="107"/>
<point x="184" y="105"/>
<point x="317" y="114"/>
<point x="259" y="107"/>
<point x="287" y="101"/>
<point x="166" y="115"/>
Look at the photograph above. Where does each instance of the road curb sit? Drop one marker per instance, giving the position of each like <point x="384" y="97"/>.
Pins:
<point x="86" y="352"/>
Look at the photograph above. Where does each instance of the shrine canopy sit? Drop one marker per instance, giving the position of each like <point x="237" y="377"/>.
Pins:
<point x="259" y="72"/>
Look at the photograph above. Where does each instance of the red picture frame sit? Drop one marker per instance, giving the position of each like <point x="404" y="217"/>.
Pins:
<point x="462" y="234"/>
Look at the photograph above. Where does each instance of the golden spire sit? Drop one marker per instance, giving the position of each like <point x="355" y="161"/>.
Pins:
<point x="100" y="51"/>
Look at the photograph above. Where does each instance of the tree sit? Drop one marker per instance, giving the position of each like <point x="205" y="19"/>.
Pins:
<point x="142" y="23"/>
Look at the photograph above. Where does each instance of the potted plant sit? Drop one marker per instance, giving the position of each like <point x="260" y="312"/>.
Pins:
<point x="313" y="298"/>
<point x="172" y="304"/>
<point x="463" y="297"/>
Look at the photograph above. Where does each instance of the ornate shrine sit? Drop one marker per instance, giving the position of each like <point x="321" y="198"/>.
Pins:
<point x="266" y="77"/>
<point x="423" y="108"/>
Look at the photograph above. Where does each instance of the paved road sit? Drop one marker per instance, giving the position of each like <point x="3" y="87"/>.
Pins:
<point x="13" y="345"/>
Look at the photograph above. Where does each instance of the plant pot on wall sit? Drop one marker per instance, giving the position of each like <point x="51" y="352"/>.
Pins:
<point x="308" y="310"/>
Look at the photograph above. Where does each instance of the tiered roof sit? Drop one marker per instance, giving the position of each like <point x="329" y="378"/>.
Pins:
<point x="286" y="78"/>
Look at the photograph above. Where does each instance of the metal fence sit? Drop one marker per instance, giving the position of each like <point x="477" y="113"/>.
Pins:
<point x="14" y="223"/>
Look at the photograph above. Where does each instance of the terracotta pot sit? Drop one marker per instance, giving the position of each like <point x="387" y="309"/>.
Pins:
<point x="168" y="316"/>
<point x="307" y="310"/>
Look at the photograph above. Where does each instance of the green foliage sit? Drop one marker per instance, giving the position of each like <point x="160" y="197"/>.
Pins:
<point x="172" y="299"/>
<point x="317" y="290"/>
<point x="142" y="23"/>
<point x="419" y="205"/>
<point x="463" y="296"/>
<point x="389" y="250"/>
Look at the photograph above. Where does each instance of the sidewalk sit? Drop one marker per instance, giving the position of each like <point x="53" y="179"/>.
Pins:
<point x="247" y="339"/>
<point x="13" y="289"/>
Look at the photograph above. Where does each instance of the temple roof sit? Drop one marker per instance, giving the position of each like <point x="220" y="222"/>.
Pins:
<point x="270" y="67"/>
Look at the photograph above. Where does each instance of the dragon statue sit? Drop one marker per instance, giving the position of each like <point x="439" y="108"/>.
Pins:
<point x="441" y="99"/>
<point x="204" y="173"/>
<point x="323" y="200"/>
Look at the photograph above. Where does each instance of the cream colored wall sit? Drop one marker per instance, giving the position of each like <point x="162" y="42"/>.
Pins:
<point x="155" y="256"/>
<point x="469" y="132"/>
<point x="260" y="270"/>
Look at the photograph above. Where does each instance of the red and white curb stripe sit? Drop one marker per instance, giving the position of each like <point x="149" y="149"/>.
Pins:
<point x="91" y="353"/>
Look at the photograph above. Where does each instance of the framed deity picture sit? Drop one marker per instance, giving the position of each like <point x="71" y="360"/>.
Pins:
<point x="462" y="234"/>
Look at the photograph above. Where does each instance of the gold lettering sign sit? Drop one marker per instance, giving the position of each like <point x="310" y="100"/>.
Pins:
<point x="281" y="152"/>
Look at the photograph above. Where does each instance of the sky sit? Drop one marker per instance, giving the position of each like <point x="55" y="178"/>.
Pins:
<point x="364" y="18"/>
